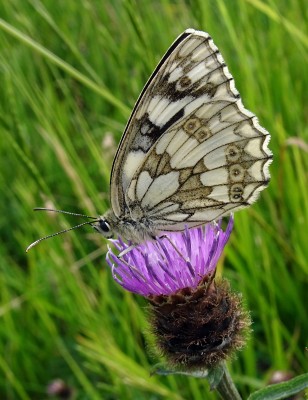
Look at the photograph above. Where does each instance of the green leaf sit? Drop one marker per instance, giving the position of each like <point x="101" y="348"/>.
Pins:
<point x="281" y="390"/>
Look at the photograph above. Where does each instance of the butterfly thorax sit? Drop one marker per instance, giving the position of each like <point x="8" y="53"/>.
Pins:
<point x="133" y="226"/>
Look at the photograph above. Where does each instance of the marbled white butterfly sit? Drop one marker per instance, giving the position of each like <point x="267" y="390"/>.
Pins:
<point x="190" y="152"/>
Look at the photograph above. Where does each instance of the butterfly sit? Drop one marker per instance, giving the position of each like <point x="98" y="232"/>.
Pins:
<point x="190" y="153"/>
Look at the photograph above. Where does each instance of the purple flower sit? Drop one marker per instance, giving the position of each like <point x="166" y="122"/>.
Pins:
<point x="164" y="266"/>
<point x="197" y="321"/>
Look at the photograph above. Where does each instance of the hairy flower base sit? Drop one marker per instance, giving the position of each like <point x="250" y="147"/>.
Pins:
<point x="196" y="328"/>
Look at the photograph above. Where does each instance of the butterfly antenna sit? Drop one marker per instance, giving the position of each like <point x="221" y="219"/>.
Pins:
<point x="63" y="212"/>
<point x="57" y="233"/>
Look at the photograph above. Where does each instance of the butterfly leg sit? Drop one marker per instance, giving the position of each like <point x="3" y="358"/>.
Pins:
<point x="174" y="246"/>
<point x="127" y="250"/>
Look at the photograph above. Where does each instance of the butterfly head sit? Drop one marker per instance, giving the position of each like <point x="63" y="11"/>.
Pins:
<point x="103" y="227"/>
<point x="106" y="224"/>
<point x="129" y="229"/>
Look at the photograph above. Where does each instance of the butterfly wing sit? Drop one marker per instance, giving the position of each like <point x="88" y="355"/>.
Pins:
<point x="141" y="133"/>
<point x="192" y="151"/>
<point x="212" y="162"/>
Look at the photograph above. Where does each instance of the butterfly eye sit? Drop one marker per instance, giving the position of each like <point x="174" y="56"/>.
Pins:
<point x="104" y="226"/>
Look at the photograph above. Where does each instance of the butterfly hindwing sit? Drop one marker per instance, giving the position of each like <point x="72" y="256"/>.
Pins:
<point x="190" y="152"/>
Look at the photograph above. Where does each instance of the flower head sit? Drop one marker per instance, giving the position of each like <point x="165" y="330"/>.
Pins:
<point x="170" y="263"/>
<point x="196" y="321"/>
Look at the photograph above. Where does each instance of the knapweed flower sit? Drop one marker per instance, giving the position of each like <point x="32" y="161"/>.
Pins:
<point x="196" y="321"/>
<point x="170" y="263"/>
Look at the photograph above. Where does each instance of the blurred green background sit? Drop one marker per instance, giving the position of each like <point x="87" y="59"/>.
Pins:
<point x="70" y="74"/>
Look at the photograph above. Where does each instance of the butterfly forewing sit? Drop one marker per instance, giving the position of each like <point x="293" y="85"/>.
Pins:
<point x="190" y="152"/>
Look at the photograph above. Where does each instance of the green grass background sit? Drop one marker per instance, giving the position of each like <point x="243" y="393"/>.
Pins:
<point x="70" y="73"/>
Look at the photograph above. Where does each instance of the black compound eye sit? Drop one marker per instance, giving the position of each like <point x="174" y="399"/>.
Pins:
<point x="105" y="227"/>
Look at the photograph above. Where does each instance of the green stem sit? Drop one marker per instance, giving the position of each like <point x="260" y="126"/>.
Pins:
<point x="218" y="377"/>
<point x="226" y="387"/>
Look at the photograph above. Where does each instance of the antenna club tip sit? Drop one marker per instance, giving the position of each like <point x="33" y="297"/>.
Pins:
<point x="32" y="245"/>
